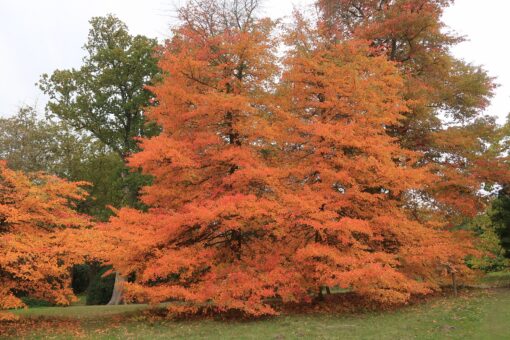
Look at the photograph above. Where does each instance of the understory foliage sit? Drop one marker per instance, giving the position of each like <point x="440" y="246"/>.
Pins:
<point x="492" y="257"/>
<point x="274" y="177"/>
<point x="37" y="243"/>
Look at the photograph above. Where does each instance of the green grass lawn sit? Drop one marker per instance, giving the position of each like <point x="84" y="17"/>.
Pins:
<point x="482" y="314"/>
<point x="496" y="279"/>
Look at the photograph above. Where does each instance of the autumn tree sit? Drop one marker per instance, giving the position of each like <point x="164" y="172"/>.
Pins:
<point x="274" y="178"/>
<point x="106" y="97"/>
<point x="37" y="247"/>
<point x="207" y="172"/>
<point x="30" y="142"/>
<point x="360" y="185"/>
<point x="446" y="95"/>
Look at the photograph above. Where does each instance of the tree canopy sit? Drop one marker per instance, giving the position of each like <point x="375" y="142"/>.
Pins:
<point x="106" y="96"/>
<point x="446" y="96"/>
<point x="249" y="163"/>
<point x="36" y="248"/>
<point x="276" y="176"/>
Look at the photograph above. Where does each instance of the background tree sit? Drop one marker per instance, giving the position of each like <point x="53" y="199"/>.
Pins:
<point x="499" y="212"/>
<point x="486" y="227"/>
<point x="31" y="144"/>
<point x="36" y="250"/>
<point x="107" y="95"/>
<point x="500" y="217"/>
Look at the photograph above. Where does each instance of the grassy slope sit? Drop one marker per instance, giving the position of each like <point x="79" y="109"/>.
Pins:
<point x="482" y="315"/>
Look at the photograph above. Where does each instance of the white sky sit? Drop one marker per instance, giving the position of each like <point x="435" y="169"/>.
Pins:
<point x="40" y="36"/>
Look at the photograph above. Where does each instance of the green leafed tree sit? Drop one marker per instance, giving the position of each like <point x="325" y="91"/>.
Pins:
<point x="107" y="95"/>
<point x="500" y="217"/>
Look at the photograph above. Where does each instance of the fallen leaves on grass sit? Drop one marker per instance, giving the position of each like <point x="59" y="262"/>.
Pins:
<point x="22" y="327"/>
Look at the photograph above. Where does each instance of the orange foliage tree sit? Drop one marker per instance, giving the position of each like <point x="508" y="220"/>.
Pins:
<point x="360" y="230"/>
<point x="446" y="96"/>
<point x="36" y="249"/>
<point x="272" y="179"/>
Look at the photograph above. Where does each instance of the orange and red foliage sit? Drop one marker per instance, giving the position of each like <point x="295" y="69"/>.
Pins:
<point x="274" y="179"/>
<point x="437" y="85"/>
<point x="36" y="249"/>
<point x="357" y="231"/>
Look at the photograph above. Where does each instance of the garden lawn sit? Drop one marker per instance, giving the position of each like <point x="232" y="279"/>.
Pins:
<point x="481" y="314"/>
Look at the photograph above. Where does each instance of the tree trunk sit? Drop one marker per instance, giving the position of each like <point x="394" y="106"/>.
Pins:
<point x="118" y="289"/>
<point x="320" y="297"/>
<point x="454" y="283"/>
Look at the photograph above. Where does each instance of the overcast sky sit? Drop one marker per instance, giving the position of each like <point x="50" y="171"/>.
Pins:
<point x="40" y="36"/>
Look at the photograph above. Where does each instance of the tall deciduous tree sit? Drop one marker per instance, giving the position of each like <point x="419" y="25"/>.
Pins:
<point x="108" y="94"/>
<point x="446" y="96"/>
<point x="272" y="180"/>
<point x="357" y="230"/>
<point x="219" y="64"/>
<point x="36" y="250"/>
